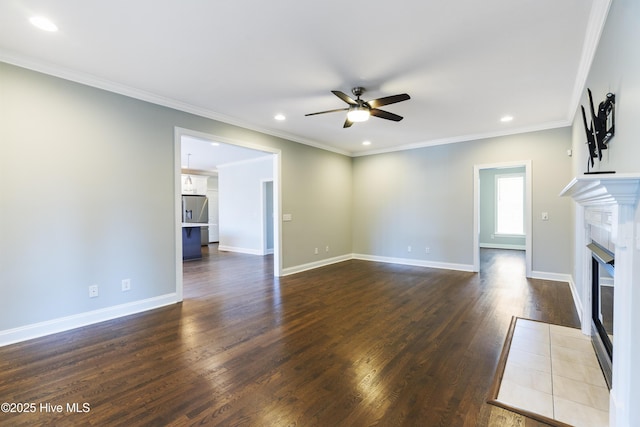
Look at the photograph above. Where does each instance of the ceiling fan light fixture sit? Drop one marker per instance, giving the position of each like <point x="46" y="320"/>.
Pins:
<point x="358" y="114"/>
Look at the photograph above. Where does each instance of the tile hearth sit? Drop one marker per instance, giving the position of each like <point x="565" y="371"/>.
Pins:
<point x="553" y="371"/>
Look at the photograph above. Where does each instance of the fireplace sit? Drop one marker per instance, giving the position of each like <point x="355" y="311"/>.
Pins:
<point x="602" y="291"/>
<point x="608" y="214"/>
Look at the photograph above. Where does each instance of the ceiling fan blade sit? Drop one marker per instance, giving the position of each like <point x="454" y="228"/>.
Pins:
<point x="347" y="123"/>
<point x="375" y="103"/>
<point x="346" y="98"/>
<point x="328" y="111"/>
<point x="385" y="115"/>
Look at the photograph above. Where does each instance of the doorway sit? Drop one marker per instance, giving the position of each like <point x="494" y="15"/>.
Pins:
<point x="504" y="240"/>
<point x="267" y="217"/>
<point x="274" y="188"/>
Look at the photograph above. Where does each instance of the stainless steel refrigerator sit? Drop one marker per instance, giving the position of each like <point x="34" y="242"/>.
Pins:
<point x="195" y="209"/>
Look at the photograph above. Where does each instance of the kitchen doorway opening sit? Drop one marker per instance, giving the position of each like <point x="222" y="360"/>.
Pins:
<point x="490" y="230"/>
<point x="270" y="158"/>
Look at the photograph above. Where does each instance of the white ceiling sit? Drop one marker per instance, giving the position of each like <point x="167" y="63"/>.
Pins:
<point x="199" y="154"/>
<point x="465" y="63"/>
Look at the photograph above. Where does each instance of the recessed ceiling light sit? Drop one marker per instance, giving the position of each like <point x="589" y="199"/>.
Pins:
<point x="279" y="117"/>
<point x="215" y="144"/>
<point x="43" y="23"/>
<point x="506" y="119"/>
<point x="366" y="143"/>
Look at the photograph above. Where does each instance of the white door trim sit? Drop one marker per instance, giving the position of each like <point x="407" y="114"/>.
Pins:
<point x="527" y="210"/>
<point x="277" y="199"/>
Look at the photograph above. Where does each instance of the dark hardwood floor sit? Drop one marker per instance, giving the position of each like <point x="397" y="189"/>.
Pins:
<point x="352" y="344"/>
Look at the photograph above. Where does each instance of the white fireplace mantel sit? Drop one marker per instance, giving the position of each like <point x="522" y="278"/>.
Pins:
<point x="604" y="189"/>
<point x="618" y="193"/>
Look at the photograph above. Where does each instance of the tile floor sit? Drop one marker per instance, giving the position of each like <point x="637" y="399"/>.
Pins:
<point x="553" y="371"/>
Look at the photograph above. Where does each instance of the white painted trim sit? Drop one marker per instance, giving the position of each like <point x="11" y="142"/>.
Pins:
<point x="595" y="25"/>
<point x="239" y="250"/>
<point x="36" y="330"/>
<point x="604" y="189"/>
<point x="470" y="137"/>
<point x="415" y="262"/>
<point x="277" y="214"/>
<point x="565" y="278"/>
<point x="177" y="210"/>
<point x="277" y="197"/>
<point x="576" y="299"/>
<point x="263" y="214"/>
<point x="527" y="210"/>
<point x="93" y="81"/>
<point x="621" y="192"/>
<point x="100" y="83"/>
<point x="316" y="264"/>
<point x="554" y="277"/>
<point x="503" y="246"/>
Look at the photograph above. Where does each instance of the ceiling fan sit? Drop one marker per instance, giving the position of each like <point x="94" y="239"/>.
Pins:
<point x="359" y="110"/>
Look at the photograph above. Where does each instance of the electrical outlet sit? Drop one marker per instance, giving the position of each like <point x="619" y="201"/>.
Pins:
<point x="427" y="250"/>
<point x="315" y="251"/>
<point x="326" y="249"/>
<point x="93" y="291"/>
<point x="126" y="285"/>
<point x="408" y="248"/>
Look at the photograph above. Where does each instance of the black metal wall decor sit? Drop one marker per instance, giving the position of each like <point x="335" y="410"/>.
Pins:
<point x="602" y="128"/>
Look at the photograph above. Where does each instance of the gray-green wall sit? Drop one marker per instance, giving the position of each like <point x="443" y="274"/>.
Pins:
<point x="87" y="197"/>
<point x="424" y="198"/>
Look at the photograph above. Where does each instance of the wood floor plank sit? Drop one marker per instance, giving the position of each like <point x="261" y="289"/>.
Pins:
<point x="352" y="344"/>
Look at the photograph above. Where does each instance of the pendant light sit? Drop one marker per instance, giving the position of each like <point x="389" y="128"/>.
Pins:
<point x="188" y="183"/>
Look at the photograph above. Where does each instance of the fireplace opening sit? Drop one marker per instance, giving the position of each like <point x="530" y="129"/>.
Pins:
<point x="602" y="291"/>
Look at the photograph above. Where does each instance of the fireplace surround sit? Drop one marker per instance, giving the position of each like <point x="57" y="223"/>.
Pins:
<point x="606" y="212"/>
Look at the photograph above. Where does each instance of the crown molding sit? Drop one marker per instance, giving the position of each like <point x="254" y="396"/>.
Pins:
<point x="470" y="137"/>
<point x="110" y="86"/>
<point x="595" y="26"/>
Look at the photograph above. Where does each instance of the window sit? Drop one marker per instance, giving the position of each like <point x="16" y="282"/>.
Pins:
<point x="510" y="204"/>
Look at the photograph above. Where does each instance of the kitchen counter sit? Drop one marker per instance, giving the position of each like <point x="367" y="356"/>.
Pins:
<point x="191" y="248"/>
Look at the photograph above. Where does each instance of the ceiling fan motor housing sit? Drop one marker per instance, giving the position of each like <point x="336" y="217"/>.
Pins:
<point x="357" y="91"/>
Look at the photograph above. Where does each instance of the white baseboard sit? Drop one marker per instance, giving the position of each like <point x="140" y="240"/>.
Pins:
<point x="415" y="262"/>
<point x="36" y="330"/>
<point x="240" y="250"/>
<point x="576" y="298"/>
<point x="374" y="258"/>
<point x="555" y="277"/>
<point x="316" y="264"/>
<point x="567" y="278"/>
<point x="501" y="246"/>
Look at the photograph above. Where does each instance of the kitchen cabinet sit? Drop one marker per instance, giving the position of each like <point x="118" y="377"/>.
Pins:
<point x="198" y="184"/>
